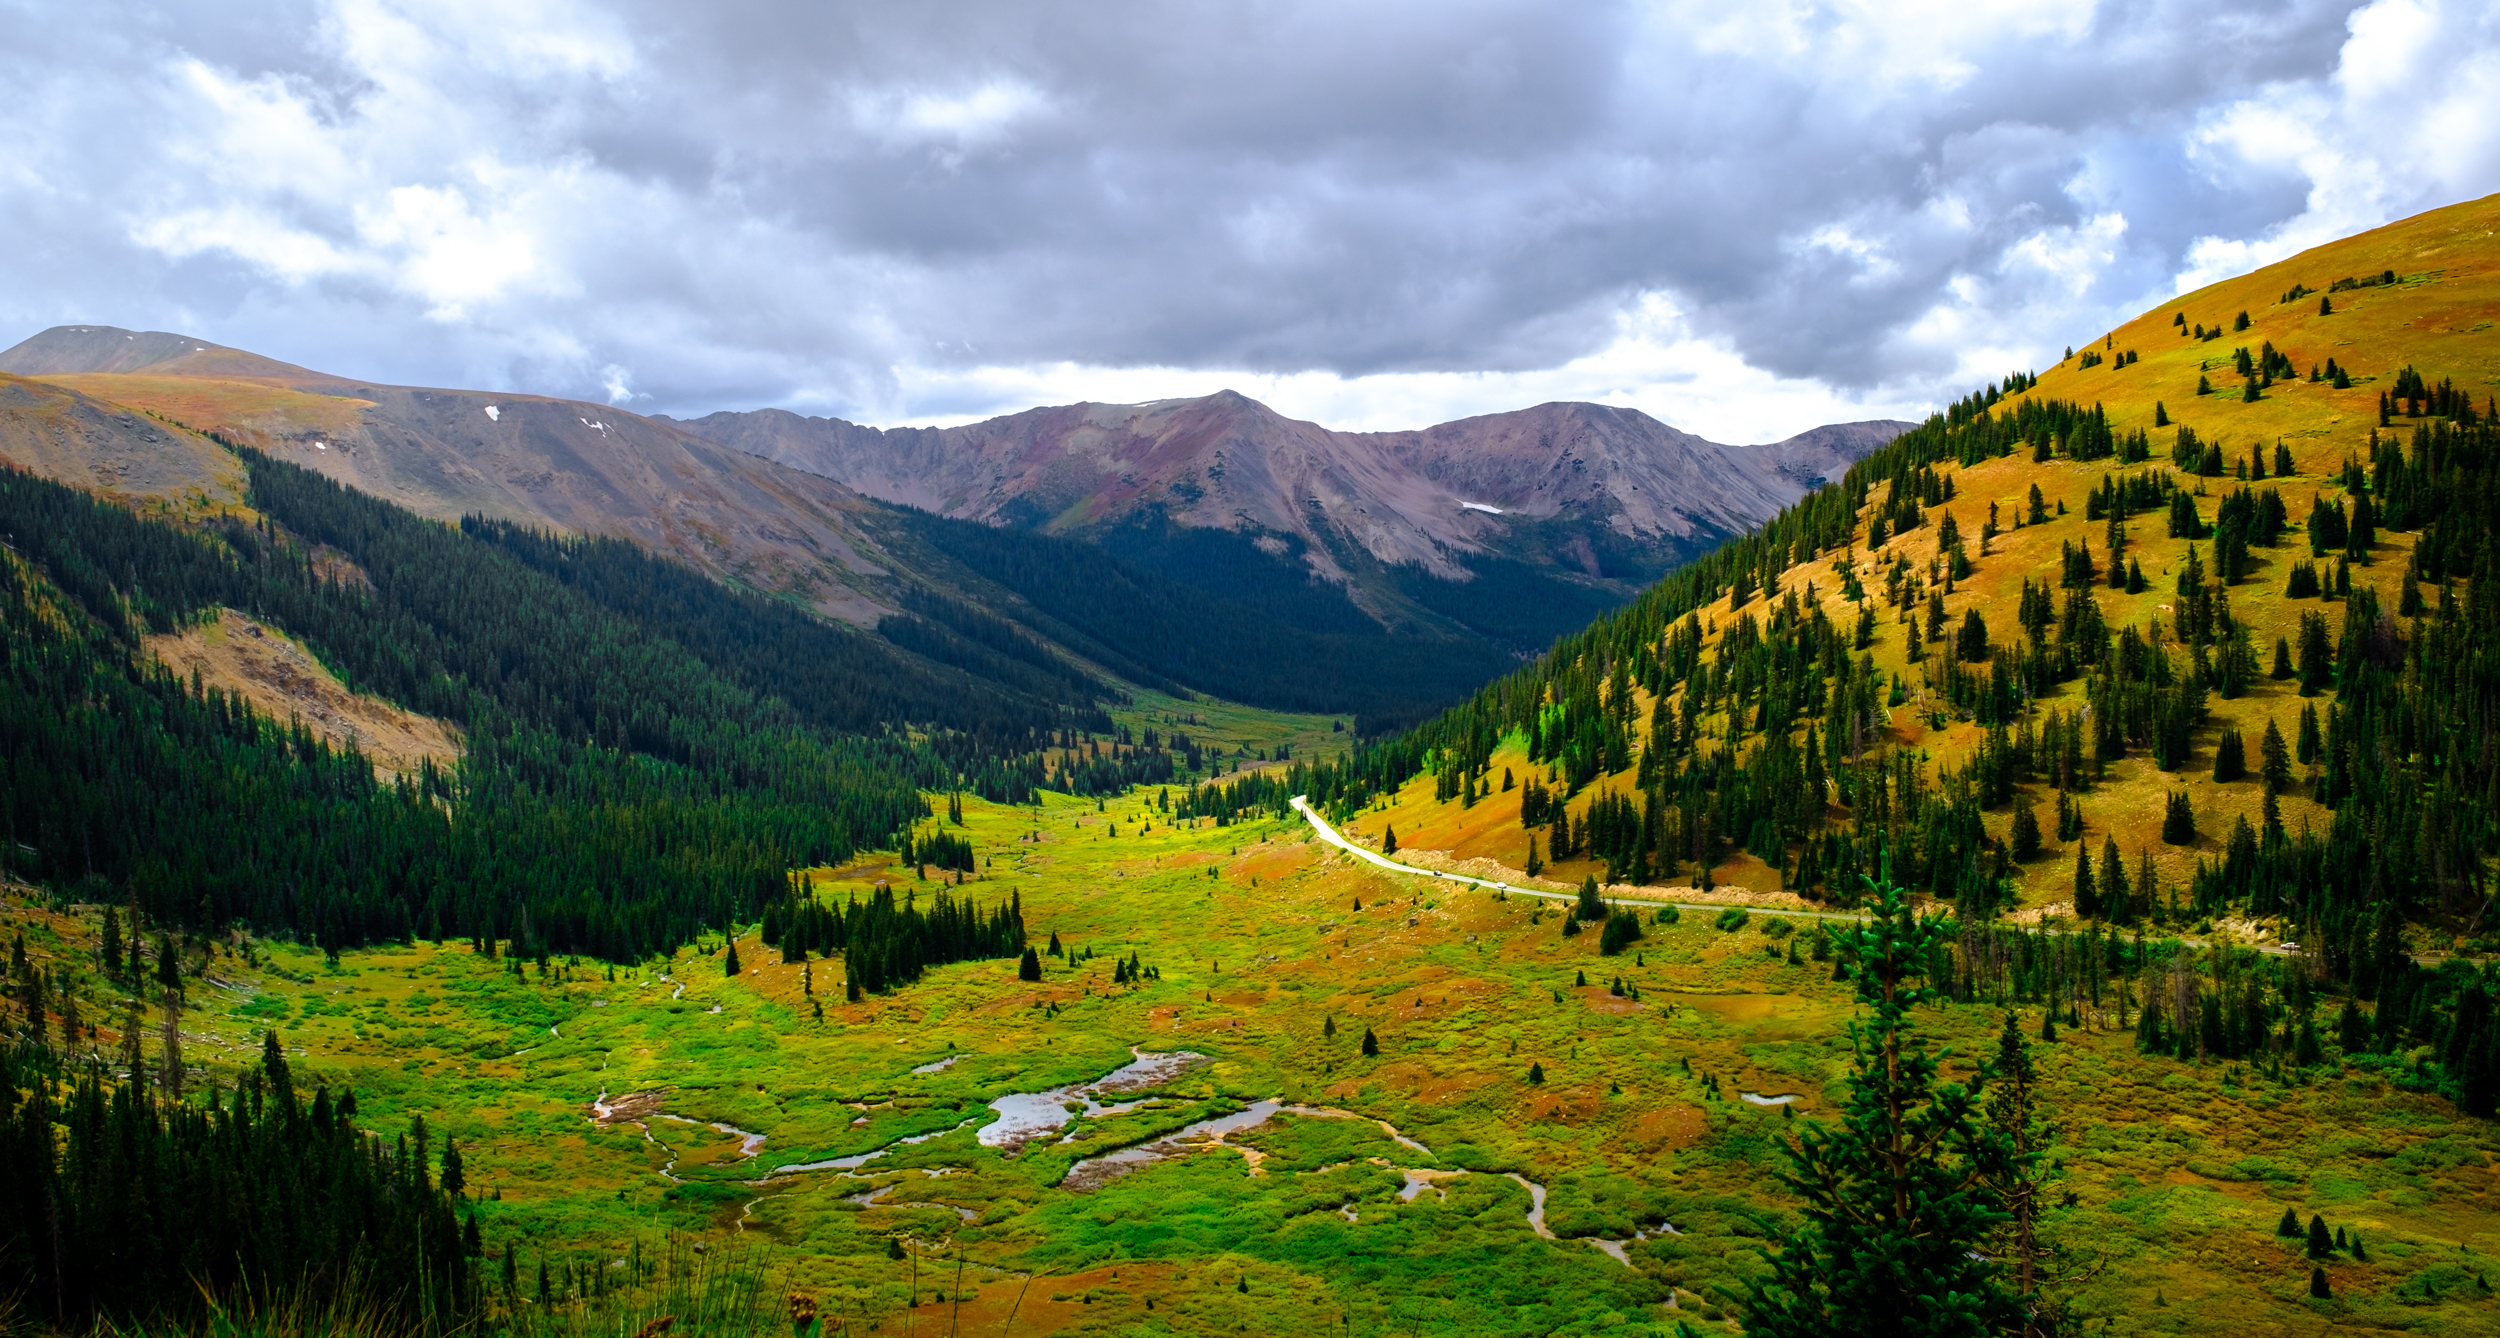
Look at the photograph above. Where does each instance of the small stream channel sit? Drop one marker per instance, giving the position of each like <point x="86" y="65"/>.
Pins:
<point x="1023" y="1118"/>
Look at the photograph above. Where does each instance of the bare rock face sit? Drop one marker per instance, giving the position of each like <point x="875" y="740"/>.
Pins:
<point x="1557" y="485"/>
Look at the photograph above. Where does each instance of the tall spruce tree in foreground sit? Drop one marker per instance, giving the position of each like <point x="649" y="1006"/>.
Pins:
<point x="1903" y="1194"/>
<point x="2014" y="1110"/>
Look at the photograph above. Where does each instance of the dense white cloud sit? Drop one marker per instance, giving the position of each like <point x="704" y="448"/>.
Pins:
<point x="2408" y="118"/>
<point x="1742" y="219"/>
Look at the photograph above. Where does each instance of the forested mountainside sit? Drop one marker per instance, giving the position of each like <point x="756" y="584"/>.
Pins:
<point x="647" y="750"/>
<point x="111" y="412"/>
<point x="2165" y="636"/>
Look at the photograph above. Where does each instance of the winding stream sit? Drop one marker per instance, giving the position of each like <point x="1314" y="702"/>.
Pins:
<point x="1019" y="1119"/>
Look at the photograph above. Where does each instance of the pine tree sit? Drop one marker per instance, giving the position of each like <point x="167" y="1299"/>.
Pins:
<point x="1389" y="841"/>
<point x="2230" y="757"/>
<point x="2317" y="1285"/>
<point x="1536" y="1075"/>
<point x="2274" y="760"/>
<point x="274" y="1070"/>
<point x="1371" y="1043"/>
<point x="2026" y="832"/>
<point x="1899" y="1195"/>
<point x="1623" y="929"/>
<point x="2321" y="1244"/>
<point x="2289" y="1226"/>
<point x="2013" y="1114"/>
<point x="2178" y="820"/>
<point x="2087" y="895"/>
<point x="729" y="964"/>
<point x="2115" y="894"/>
<point x="1591" y="906"/>
<point x="1029" y="966"/>
<point x="1972" y="644"/>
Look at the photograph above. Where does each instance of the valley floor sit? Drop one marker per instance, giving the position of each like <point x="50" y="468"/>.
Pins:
<point x="1266" y="1174"/>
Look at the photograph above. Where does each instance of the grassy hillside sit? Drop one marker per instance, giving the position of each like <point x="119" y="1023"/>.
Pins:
<point x="2435" y="321"/>
<point x="102" y="447"/>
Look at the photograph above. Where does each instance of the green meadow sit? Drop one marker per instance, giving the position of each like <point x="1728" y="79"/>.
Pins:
<point x="1397" y="1199"/>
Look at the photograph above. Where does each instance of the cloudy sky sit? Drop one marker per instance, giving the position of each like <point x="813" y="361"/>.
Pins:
<point x="1745" y="219"/>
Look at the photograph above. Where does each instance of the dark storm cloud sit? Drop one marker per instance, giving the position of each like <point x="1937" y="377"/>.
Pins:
<point x="739" y="203"/>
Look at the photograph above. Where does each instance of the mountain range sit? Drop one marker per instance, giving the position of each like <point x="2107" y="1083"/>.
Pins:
<point x="1579" y="492"/>
<point x="1466" y="544"/>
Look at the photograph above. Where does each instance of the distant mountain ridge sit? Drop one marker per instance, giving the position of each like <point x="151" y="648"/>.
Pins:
<point x="1567" y="486"/>
<point x="556" y="464"/>
<point x="1376" y="574"/>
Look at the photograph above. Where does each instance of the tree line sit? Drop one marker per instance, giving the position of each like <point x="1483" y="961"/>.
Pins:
<point x="886" y="944"/>
<point x="616" y="794"/>
<point x="118" y="1208"/>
